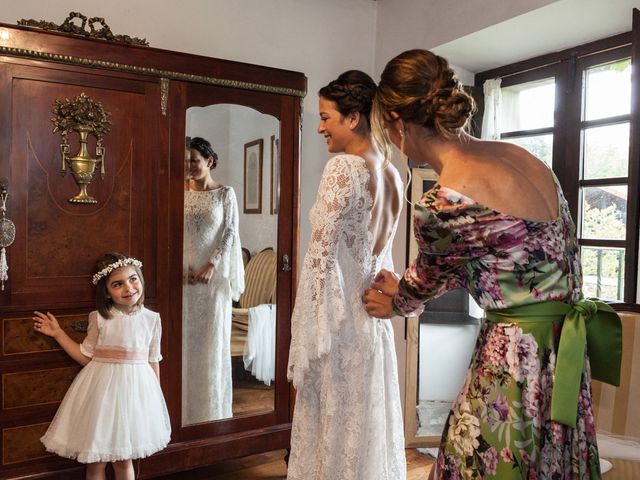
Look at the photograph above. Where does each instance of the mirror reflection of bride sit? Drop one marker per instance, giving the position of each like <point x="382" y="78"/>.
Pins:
<point x="213" y="276"/>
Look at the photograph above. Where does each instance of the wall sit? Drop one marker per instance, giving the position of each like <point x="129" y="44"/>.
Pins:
<point x="406" y="24"/>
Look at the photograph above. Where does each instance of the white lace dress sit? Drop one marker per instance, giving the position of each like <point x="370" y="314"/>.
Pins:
<point x="347" y="421"/>
<point x="210" y="233"/>
<point x="114" y="409"/>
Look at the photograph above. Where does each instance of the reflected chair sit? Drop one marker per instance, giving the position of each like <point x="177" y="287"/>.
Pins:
<point x="259" y="288"/>
<point x="246" y="256"/>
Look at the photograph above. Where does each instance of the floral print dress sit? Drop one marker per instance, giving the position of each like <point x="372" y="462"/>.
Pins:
<point x="499" y="426"/>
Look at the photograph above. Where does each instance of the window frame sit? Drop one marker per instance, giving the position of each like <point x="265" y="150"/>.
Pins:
<point x="567" y="68"/>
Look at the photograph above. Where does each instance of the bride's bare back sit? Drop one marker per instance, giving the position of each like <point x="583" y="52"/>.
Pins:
<point x="385" y="188"/>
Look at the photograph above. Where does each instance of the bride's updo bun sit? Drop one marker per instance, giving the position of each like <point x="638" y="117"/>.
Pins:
<point x="421" y="88"/>
<point x="352" y="92"/>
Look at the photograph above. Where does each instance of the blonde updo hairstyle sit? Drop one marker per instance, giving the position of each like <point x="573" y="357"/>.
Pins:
<point x="422" y="89"/>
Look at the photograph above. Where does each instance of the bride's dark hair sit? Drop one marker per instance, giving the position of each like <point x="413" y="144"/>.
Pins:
<point x="206" y="150"/>
<point x="352" y="91"/>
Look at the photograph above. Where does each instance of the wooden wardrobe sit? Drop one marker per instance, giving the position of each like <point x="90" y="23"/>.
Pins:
<point x="147" y="94"/>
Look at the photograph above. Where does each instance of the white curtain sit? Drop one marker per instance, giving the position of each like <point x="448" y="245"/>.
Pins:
<point x="260" y="348"/>
<point x="492" y="109"/>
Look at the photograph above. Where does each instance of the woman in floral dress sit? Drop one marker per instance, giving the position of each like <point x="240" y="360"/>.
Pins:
<point x="497" y="225"/>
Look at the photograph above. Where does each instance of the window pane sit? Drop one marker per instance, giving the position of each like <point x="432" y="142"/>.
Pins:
<point x="528" y="105"/>
<point x="608" y="90"/>
<point x="539" y="145"/>
<point x="606" y="151"/>
<point x="604" y="212"/>
<point x="603" y="272"/>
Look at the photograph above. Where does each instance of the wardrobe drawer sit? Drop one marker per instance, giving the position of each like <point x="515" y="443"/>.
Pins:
<point x="36" y="387"/>
<point x="19" y="337"/>
<point x="22" y="444"/>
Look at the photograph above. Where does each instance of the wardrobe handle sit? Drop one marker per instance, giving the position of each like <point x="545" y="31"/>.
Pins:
<point x="80" y="326"/>
<point x="286" y="263"/>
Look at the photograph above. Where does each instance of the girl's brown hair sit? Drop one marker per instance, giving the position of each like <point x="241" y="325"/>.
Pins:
<point x="104" y="303"/>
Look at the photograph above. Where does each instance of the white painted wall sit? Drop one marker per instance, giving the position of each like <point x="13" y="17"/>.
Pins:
<point x="439" y="379"/>
<point x="405" y="24"/>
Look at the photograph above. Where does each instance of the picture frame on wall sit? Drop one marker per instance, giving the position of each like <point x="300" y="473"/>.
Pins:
<point x="253" y="176"/>
<point x="275" y="174"/>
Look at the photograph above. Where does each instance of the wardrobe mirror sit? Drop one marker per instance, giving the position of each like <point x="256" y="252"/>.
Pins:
<point x="228" y="337"/>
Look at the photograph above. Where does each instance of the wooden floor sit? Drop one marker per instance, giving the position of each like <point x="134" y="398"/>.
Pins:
<point x="272" y="466"/>
<point x="623" y="470"/>
<point x="251" y="400"/>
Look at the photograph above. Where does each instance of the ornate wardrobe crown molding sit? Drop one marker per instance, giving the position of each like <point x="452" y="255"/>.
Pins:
<point x="149" y="71"/>
<point x="68" y="26"/>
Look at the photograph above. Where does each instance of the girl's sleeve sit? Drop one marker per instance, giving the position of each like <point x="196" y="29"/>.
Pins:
<point x="91" y="340"/>
<point x="156" y="336"/>
<point x="320" y="301"/>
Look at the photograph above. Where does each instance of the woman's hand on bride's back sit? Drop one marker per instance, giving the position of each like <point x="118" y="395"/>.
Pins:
<point x="386" y="282"/>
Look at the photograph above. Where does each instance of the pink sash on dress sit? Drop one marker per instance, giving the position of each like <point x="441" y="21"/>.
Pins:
<point x="115" y="354"/>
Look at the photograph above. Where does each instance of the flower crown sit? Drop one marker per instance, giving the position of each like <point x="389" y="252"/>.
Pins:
<point x="112" y="266"/>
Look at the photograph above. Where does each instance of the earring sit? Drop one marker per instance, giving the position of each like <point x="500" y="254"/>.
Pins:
<point x="401" y="143"/>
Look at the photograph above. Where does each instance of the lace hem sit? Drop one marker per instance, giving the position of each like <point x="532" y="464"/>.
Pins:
<point x="115" y="455"/>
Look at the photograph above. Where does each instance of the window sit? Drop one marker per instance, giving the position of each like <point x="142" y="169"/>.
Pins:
<point x="527" y="116"/>
<point x="572" y="109"/>
<point x="604" y="182"/>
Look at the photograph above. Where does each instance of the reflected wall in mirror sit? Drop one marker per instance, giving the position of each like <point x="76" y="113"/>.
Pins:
<point x="439" y="347"/>
<point x="229" y="260"/>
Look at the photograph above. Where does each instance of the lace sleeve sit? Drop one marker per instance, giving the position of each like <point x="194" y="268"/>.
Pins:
<point x="230" y="231"/>
<point x="320" y="301"/>
<point x="327" y="219"/>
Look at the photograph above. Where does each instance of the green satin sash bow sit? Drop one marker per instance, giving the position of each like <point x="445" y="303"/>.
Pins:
<point x="589" y="324"/>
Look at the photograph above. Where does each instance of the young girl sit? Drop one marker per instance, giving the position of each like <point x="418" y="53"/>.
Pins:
<point x="114" y="410"/>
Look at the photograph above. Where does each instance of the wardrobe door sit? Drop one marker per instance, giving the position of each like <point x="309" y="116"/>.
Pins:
<point x="255" y="137"/>
<point x="58" y="241"/>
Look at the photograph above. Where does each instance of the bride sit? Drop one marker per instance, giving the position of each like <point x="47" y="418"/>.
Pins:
<point x="213" y="277"/>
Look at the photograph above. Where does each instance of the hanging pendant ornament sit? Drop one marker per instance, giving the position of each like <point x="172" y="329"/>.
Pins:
<point x="7" y="232"/>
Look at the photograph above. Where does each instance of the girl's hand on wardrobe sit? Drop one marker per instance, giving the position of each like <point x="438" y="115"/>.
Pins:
<point x="46" y="324"/>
